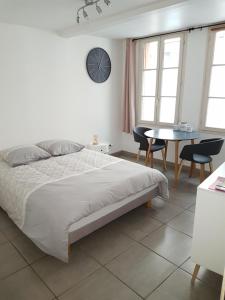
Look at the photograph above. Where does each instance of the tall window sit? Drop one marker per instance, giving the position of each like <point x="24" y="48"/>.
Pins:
<point x="215" y="82"/>
<point x="160" y="77"/>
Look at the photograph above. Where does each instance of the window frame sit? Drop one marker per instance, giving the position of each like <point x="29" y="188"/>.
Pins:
<point x="140" y="70"/>
<point x="207" y="80"/>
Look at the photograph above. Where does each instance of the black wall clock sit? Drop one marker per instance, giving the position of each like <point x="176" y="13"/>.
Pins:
<point x="98" y="65"/>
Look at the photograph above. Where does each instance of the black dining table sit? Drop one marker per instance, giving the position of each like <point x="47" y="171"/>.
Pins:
<point x="171" y="135"/>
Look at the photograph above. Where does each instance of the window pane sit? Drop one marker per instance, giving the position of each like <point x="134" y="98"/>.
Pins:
<point x="149" y="83"/>
<point x="169" y="82"/>
<point x="215" y="113"/>
<point x="217" y="84"/>
<point x="167" y="109"/>
<point x="150" y="55"/>
<point x="171" y="53"/>
<point x="147" y="109"/>
<point x="219" y="52"/>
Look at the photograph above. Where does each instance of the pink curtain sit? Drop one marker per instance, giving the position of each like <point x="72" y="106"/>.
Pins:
<point x="129" y="88"/>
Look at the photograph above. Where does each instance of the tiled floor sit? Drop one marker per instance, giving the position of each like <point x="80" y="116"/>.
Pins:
<point x="142" y="255"/>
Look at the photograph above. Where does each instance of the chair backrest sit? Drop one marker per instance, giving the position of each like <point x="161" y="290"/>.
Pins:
<point x="213" y="146"/>
<point x="205" y="147"/>
<point x="139" y="137"/>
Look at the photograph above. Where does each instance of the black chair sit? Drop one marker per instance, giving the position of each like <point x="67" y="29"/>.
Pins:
<point x="139" y="137"/>
<point x="200" y="154"/>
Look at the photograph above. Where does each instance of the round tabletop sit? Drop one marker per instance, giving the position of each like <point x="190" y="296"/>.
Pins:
<point x="171" y="134"/>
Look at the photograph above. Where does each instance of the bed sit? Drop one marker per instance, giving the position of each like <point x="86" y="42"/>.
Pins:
<point x="59" y="200"/>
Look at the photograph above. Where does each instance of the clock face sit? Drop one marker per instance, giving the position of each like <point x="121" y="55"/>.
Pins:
<point x="98" y="65"/>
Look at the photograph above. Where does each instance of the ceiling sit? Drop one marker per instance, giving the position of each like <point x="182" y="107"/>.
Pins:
<point x="124" y="18"/>
<point x="184" y="15"/>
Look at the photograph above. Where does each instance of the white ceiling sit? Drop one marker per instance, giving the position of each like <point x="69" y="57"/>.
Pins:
<point x="187" y="14"/>
<point x="125" y="18"/>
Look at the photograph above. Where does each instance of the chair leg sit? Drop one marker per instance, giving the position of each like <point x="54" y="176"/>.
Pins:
<point x="191" y="169"/>
<point x="202" y="172"/>
<point x="147" y="157"/>
<point x="138" y="155"/>
<point x="210" y="167"/>
<point x="178" y="173"/>
<point x="164" y="159"/>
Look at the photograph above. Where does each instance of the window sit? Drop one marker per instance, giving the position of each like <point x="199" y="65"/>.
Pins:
<point x="215" y="83"/>
<point x="160" y="78"/>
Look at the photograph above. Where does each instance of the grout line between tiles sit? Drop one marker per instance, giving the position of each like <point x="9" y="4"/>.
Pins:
<point x="46" y="285"/>
<point x="114" y="275"/>
<point x="162" y="282"/>
<point x="180" y="231"/>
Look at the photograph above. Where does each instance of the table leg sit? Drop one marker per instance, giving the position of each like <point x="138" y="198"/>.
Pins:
<point x="176" y="160"/>
<point x="166" y="149"/>
<point x="192" y="163"/>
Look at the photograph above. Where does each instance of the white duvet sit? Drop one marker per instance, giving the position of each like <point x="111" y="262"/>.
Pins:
<point x="46" y="197"/>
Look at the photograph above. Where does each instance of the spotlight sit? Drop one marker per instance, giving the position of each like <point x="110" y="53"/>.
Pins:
<point x="85" y="13"/>
<point x="78" y="19"/>
<point x="98" y="8"/>
<point x="107" y="2"/>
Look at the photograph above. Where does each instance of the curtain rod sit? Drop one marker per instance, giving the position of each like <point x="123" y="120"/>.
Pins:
<point x="182" y="30"/>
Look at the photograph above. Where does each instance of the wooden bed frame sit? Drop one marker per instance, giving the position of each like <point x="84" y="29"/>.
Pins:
<point x="97" y="223"/>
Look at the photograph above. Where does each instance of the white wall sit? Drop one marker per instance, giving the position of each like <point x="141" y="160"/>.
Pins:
<point x="45" y="91"/>
<point x="191" y="98"/>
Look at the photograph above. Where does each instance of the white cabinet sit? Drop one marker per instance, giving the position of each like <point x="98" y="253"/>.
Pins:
<point x="208" y="247"/>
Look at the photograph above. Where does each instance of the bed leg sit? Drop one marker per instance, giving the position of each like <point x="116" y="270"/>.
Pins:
<point x="148" y="204"/>
<point x="69" y="249"/>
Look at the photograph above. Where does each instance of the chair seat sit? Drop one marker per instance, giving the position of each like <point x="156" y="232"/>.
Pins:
<point x="201" y="159"/>
<point x="154" y="148"/>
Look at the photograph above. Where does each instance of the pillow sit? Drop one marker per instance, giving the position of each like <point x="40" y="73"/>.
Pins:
<point x="60" y="147"/>
<point x="22" y="155"/>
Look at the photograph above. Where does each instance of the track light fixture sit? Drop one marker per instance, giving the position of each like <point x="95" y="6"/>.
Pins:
<point x="107" y="2"/>
<point x="90" y="3"/>
<point x="98" y="8"/>
<point x="85" y="15"/>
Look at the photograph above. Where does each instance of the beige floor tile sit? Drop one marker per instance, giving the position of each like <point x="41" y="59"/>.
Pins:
<point x="178" y="287"/>
<point x="3" y="239"/>
<point x="137" y="224"/>
<point x="24" y="285"/>
<point x="184" y="223"/>
<point x="141" y="269"/>
<point x="27" y="248"/>
<point x="169" y="243"/>
<point x="166" y="212"/>
<point x="212" y="279"/>
<point x="60" y="276"/>
<point x="192" y="208"/>
<point x="10" y="260"/>
<point x="182" y="199"/>
<point x="4" y="220"/>
<point x="105" y="244"/>
<point x="101" y="285"/>
<point x="12" y="232"/>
